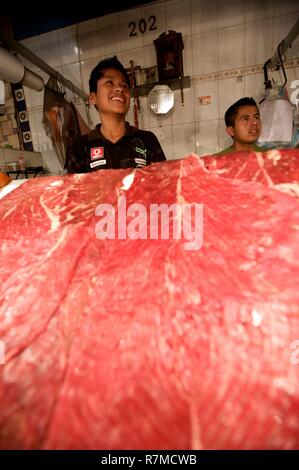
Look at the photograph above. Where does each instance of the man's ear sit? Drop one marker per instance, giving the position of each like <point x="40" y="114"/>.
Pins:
<point x="230" y="131"/>
<point x="92" y="98"/>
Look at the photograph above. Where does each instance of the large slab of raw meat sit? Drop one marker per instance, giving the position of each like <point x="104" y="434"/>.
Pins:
<point x="141" y="344"/>
<point x="275" y="168"/>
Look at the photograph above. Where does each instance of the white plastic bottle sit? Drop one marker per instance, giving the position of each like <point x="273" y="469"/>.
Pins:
<point x="22" y="162"/>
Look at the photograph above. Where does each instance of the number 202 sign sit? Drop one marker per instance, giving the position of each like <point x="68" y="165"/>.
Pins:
<point x="142" y="26"/>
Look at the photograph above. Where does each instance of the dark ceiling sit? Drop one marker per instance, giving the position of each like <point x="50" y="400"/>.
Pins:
<point x="30" y="19"/>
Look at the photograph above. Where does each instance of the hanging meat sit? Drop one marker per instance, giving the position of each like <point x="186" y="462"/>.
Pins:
<point x="62" y="121"/>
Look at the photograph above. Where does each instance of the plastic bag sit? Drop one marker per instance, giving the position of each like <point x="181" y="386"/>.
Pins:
<point x="277" y="116"/>
<point x="277" y="119"/>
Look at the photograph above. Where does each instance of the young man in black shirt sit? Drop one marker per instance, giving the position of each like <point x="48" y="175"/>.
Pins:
<point x="113" y="143"/>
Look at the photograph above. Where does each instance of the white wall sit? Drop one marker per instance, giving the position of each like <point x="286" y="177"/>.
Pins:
<point x="226" y="44"/>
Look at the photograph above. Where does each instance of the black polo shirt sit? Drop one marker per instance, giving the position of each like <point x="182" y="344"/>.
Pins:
<point x="91" y="152"/>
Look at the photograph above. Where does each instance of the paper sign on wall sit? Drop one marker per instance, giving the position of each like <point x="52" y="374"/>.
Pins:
<point x="205" y="99"/>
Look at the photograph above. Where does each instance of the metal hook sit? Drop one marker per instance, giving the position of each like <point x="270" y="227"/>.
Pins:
<point x="281" y="63"/>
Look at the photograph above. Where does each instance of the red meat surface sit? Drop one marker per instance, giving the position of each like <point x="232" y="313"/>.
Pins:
<point x="275" y="168"/>
<point x="142" y="344"/>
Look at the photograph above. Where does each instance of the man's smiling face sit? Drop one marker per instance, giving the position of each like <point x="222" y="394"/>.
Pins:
<point x="113" y="94"/>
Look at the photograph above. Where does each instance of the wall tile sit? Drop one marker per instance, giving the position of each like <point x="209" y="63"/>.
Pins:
<point x="137" y="55"/>
<point x="157" y="10"/>
<point x="72" y="73"/>
<point x="33" y="44"/>
<point x="231" y="13"/>
<point x="144" y="113"/>
<point x="164" y="135"/>
<point x="187" y="56"/>
<point x="37" y="97"/>
<point x="36" y="146"/>
<point x="42" y="143"/>
<point x="40" y="132"/>
<point x="285" y="7"/>
<point x="50" y="160"/>
<point x="183" y="113"/>
<point x="205" y="49"/>
<point x="258" y="42"/>
<point x="230" y="90"/>
<point x="183" y="140"/>
<point x="94" y="116"/>
<point x="206" y="137"/>
<point x="68" y="45"/>
<point x="157" y="120"/>
<point x="130" y="115"/>
<point x="27" y="97"/>
<point x="224" y="139"/>
<point x="50" y="49"/>
<point x="33" y="129"/>
<point x="150" y="55"/>
<point x="125" y="18"/>
<point x="86" y="68"/>
<point x="256" y="10"/>
<point x="231" y="47"/>
<point x="205" y="112"/>
<point x="109" y="38"/>
<point x="178" y="16"/>
<point x="83" y="112"/>
<point x="203" y="16"/>
<point x="88" y="40"/>
<point x="254" y="86"/>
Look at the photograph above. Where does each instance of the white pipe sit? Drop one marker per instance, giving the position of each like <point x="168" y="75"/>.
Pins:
<point x="11" y="68"/>
<point x="34" y="59"/>
<point x="32" y="80"/>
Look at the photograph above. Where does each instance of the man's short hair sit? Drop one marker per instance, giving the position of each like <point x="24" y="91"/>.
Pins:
<point x="99" y="70"/>
<point x="232" y="111"/>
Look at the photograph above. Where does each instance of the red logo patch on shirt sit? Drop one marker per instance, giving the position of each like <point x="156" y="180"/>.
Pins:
<point x="96" y="152"/>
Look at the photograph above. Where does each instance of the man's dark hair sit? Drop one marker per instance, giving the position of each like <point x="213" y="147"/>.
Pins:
<point x="99" y="70"/>
<point x="231" y="112"/>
